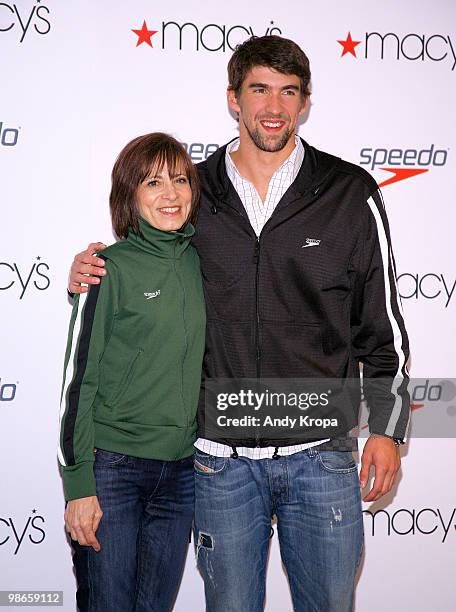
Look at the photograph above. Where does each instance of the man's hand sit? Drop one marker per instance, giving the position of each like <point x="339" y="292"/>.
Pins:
<point x="383" y="454"/>
<point x="86" y="263"/>
<point x="82" y="517"/>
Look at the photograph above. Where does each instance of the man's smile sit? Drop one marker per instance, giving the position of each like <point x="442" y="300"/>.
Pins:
<point x="272" y="125"/>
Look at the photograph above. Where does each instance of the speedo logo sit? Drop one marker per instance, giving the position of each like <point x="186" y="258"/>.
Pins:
<point x="150" y="296"/>
<point x="403" y="163"/>
<point x="310" y="242"/>
<point x="8" y="136"/>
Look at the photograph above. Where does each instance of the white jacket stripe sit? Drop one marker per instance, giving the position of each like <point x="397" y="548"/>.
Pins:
<point x="397" y="335"/>
<point x="70" y="369"/>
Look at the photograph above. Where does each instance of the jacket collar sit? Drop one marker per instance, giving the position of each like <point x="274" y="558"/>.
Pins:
<point x="315" y="169"/>
<point x="168" y="245"/>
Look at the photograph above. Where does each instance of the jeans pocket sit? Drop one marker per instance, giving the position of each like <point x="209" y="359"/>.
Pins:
<point x="104" y="457"/>
<point x="207" y="465"/>
<point x="336" y="462"/>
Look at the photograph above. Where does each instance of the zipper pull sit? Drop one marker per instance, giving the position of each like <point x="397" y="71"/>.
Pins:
<point x="257" y="250"/>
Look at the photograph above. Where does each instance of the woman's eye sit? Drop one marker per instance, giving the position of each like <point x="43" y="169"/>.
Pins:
<point x="152" y="183"/>
<point x="182" y="180"/>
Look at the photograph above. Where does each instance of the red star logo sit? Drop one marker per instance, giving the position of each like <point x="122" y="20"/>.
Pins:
<point x="349" y="45"/>
<point x="144" y="35"/>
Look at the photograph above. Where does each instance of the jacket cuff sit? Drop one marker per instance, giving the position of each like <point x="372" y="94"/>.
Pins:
<point x="78" y="480"/>
<point x="399" y="440"/>
<point x="378" y="424"/>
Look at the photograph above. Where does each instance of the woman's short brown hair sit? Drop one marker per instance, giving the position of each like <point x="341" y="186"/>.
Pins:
<point x="133" y="165"/>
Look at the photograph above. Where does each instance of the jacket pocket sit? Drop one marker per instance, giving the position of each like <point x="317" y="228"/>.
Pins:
<point x="126" y="380"/>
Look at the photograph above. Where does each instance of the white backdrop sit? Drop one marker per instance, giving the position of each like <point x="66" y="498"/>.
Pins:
<point x="75" y="87"/>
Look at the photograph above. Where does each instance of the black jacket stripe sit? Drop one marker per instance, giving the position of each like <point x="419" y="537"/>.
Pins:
<point x="74" y="389"/>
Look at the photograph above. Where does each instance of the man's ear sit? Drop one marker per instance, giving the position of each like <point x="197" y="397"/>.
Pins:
<point x="305" y="105"/>
<point x="232" y="100"/>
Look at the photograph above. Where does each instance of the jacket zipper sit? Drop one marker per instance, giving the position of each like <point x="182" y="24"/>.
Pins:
<point x="185" y="334"/>
<point x="257" y="321"/>
<point x="257" y="308"/>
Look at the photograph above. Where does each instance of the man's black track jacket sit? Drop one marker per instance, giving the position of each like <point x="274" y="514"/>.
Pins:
<point x="276" y="309"/>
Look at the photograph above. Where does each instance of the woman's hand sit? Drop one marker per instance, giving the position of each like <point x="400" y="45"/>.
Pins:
<point x="82" y="517"/>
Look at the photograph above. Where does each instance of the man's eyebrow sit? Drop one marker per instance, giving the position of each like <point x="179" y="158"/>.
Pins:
<point x="263" y="85"/>
<point x="266" y="86"/>
<point x="294" y="87"/>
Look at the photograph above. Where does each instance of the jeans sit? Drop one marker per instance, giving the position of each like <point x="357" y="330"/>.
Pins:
<point x="144" y="534"/>
<point x="316" y="498"/>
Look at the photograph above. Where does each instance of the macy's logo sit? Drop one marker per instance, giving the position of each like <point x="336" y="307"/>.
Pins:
<point x="15" y="533"/>
<point x="209" y="37"/>
<point x="411" y="47"/>
<point x="426" y="521"/>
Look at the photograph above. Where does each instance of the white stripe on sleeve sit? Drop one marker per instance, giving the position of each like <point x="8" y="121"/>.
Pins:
<point x="397" y="335"/>
<point x="69" y="371"/>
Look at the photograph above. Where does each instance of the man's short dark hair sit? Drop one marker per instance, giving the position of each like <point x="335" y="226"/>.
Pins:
<point x="134" y="163"/>
<point x="274" y="52"/>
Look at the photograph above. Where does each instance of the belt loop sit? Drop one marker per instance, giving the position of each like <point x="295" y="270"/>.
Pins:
<point x="276" y="453"/>
<point x="234" y="454"/>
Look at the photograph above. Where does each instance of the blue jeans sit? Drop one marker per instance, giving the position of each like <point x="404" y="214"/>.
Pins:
<point x="316" y="498"/>
<point x="144" y="534"/>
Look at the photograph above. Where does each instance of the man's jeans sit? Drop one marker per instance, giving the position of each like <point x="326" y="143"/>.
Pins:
<point x="144" y="533"/>
<point x="316" y="498"/>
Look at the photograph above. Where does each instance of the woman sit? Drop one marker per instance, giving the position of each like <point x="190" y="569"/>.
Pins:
<point x="131" y="384"/>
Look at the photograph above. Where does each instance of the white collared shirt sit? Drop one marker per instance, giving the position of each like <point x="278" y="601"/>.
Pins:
<point x="259" y="212"/>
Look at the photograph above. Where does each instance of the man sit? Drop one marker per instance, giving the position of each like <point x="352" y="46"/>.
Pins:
<point x="276" y="308"/>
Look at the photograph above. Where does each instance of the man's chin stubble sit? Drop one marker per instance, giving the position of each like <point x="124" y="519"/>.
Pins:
<point x="269" y="147"/>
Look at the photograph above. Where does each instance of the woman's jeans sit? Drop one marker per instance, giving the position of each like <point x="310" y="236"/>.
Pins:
<point x="147" y="510"/>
